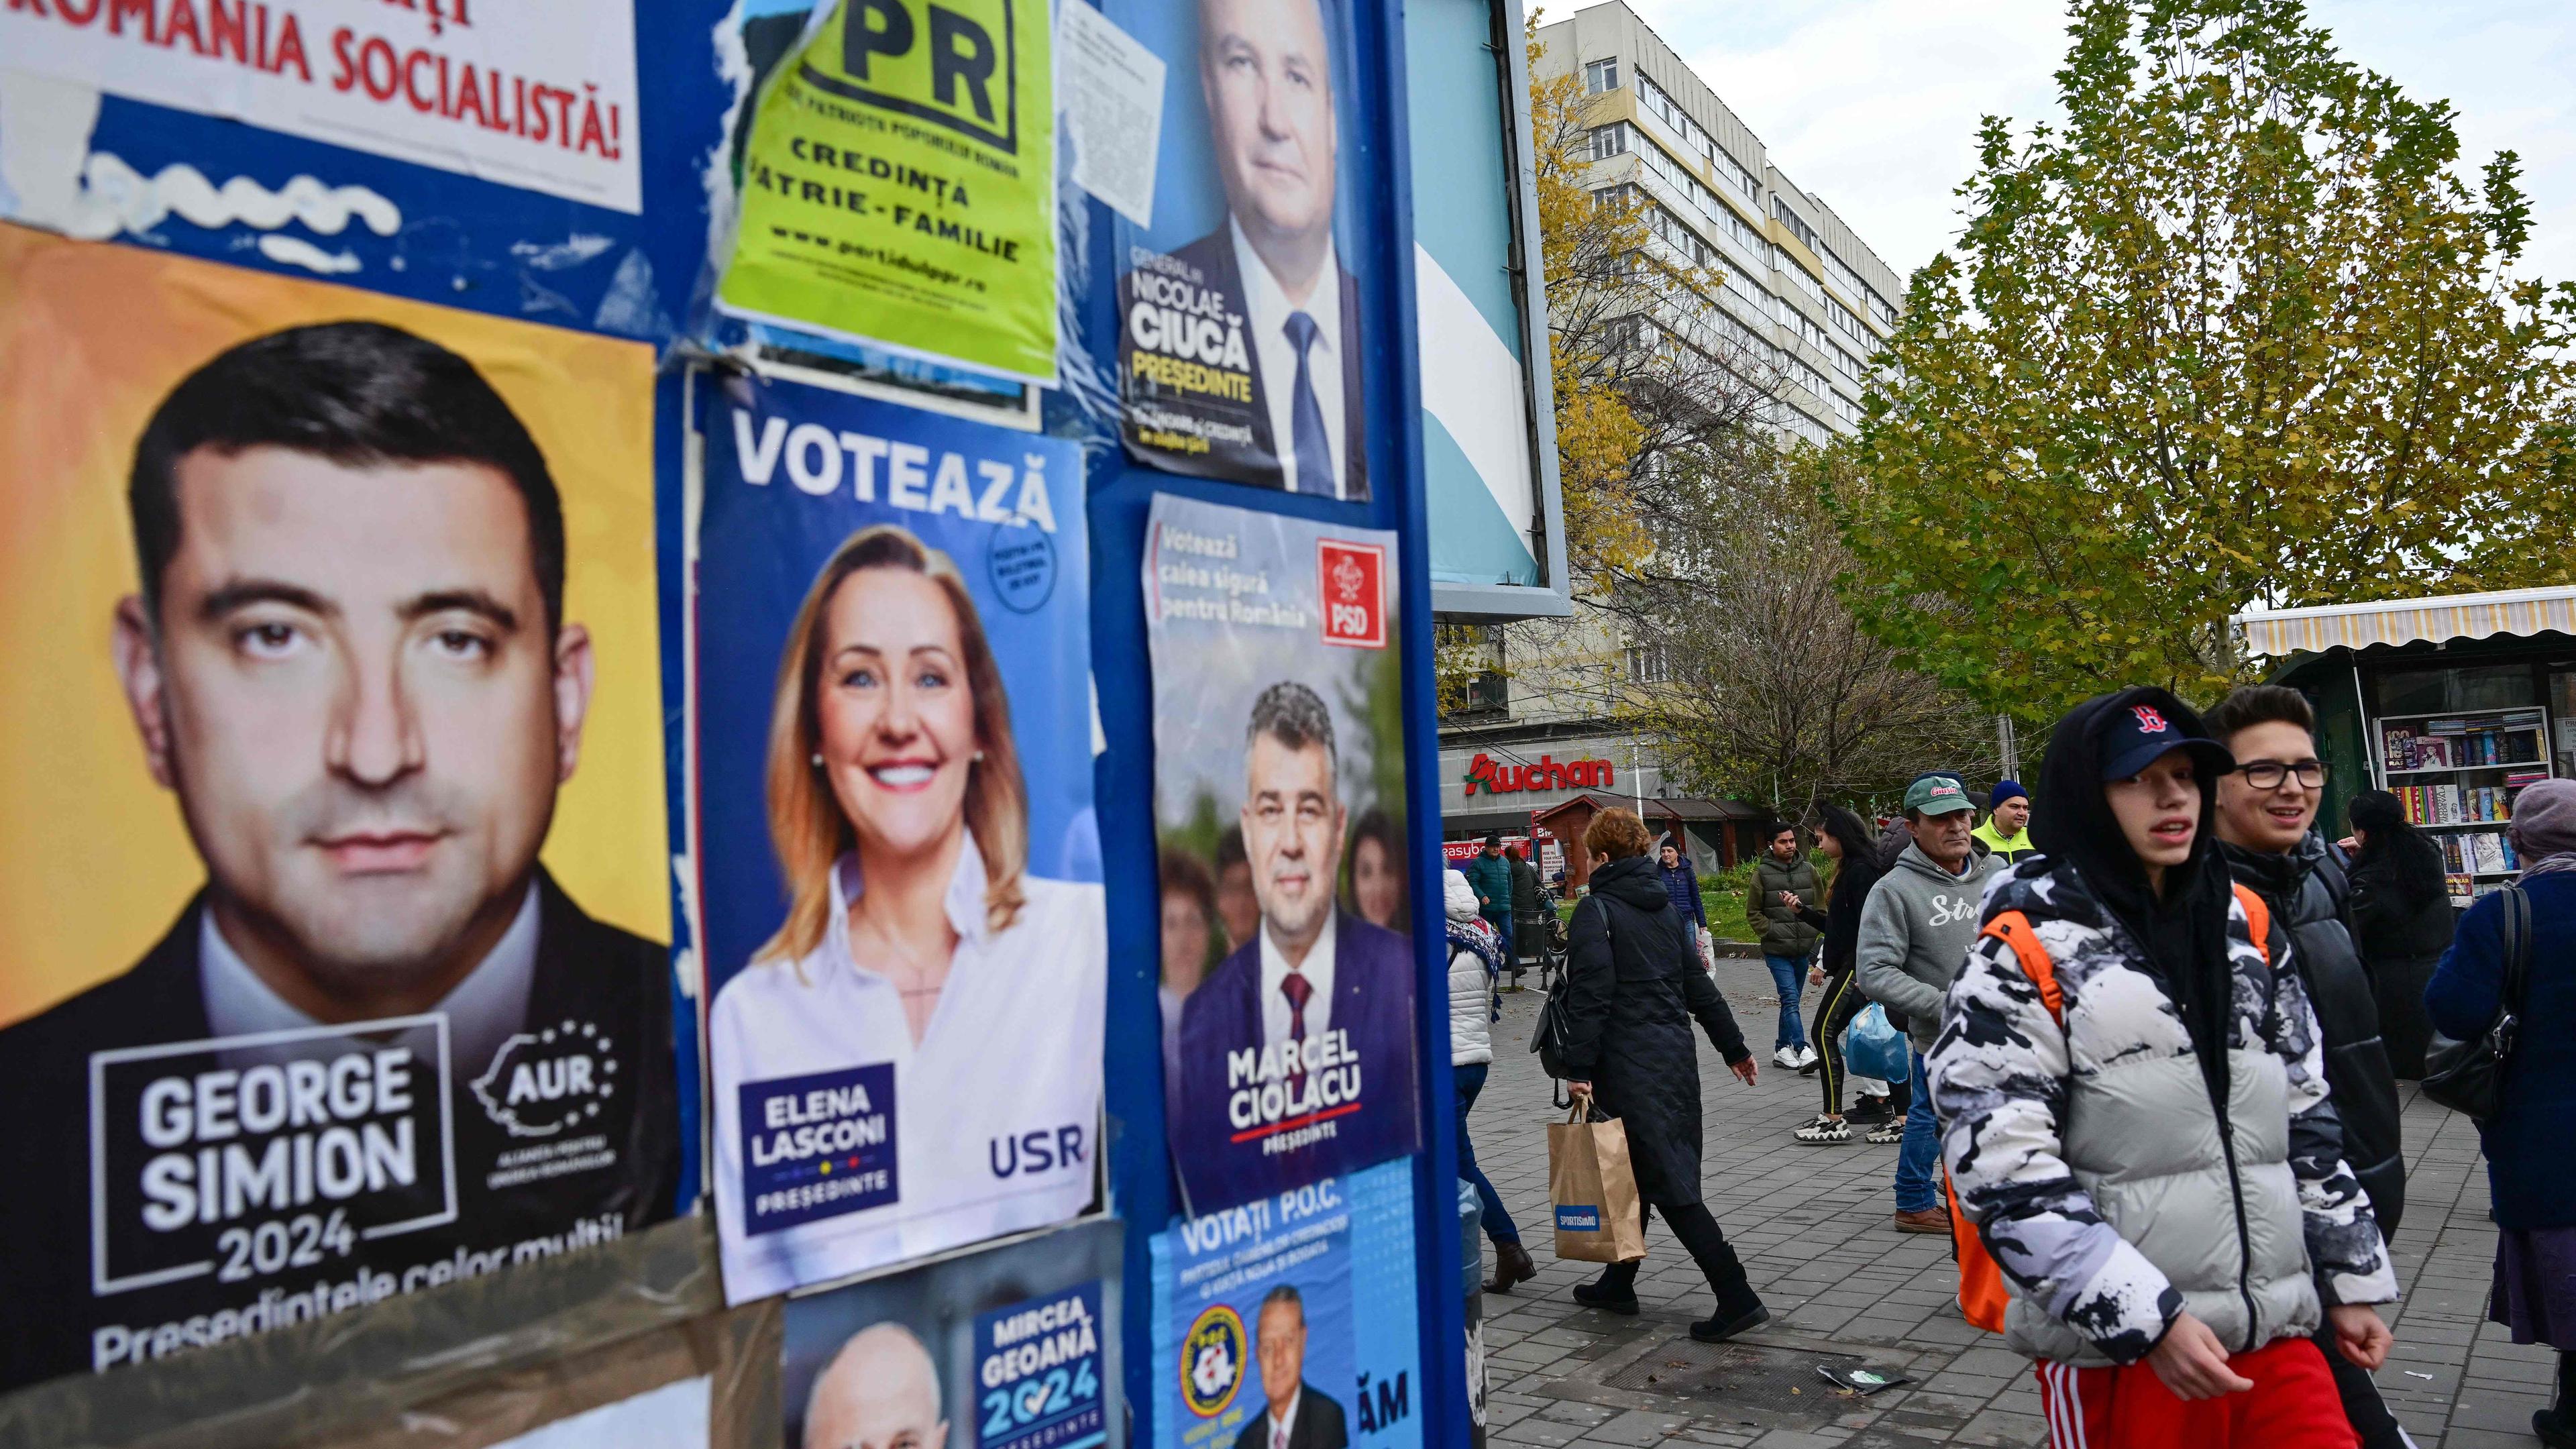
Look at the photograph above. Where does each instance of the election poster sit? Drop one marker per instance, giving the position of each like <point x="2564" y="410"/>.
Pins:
<point x="332" y="854"/>
<point x="1287" y="971"/>
<point x="898" y="860"/>
<point x="1013" y="1347"/>
<point x="541" y="97"/>
<point x="897" y="186"/>
<point x="1290" y="1319"/>
<point x="1241" y="336"/>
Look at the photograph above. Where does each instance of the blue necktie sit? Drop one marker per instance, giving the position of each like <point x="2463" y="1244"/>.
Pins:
<point x="1314" y="451"/>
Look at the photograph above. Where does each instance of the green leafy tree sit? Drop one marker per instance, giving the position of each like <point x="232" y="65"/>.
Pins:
<point x="2236" y="332"/>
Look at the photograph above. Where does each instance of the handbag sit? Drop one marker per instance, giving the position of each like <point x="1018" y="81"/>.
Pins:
<point x="2468" y="1076"/>
<point x="1592" y="1189"/>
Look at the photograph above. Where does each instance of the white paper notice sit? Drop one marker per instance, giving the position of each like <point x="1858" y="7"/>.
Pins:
<point x="1113" y="104"/>
<point x="537" y="96"/>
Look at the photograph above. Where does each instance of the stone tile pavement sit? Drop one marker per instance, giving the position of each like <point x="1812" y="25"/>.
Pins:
<point x="1811" y="1224"/>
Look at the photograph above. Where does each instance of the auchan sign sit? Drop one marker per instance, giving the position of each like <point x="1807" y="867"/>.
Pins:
<point x="1498" y="778"/>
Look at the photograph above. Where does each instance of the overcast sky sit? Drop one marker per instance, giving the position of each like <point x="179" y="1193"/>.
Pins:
<point x="1874" y="104"/>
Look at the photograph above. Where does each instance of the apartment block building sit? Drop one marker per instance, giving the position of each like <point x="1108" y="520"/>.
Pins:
<point x="1800" y="293"/>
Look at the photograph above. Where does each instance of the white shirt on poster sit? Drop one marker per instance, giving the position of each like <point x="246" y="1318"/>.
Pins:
<point x="1284" y="1425"/>
<point x="1013" y="1048"/>
<point x="1267" y="307"/>
<point x="1317" y="968"/>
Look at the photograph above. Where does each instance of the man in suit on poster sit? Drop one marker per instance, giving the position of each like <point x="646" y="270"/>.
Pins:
<point x="1294" y="1413"/>
<point x="1297" y="1052"/>
<point x="1265" y="69"/>
<point x="349" y="662"/>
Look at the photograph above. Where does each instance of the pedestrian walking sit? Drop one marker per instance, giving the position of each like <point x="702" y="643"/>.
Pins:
<point x="2134" y="1087"/>
<point x="2401" y="920"/>
<point x="1491" y="875"/>
<point x="1784" y="885"/>
<point x="2006" y="833"/>
<point x="1914" y="932"/>
<point x="1847" y="841"/>
<point x="2531" y="1180"/>
<point x="2267" y="811"/>
<point x="1528" y="940"/>
<point x="1475" y="969"/>
<point x="1632" y="990"/>
<point x="1681" y="886"/>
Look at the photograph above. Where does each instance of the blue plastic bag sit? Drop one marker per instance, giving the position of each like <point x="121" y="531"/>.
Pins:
<point x="1874" y="1048"/>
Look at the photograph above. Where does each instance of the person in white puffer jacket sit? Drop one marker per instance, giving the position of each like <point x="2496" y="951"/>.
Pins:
<point x="1475" y="967"/>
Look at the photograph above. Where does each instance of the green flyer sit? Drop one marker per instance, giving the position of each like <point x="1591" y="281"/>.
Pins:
<point x="898" y="187"/>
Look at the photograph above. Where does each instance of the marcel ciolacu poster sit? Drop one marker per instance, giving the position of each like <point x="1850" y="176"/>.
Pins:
<point x="1288" y="982"/>
<point x="898" y="185"/>
<point x="898" y="862"/>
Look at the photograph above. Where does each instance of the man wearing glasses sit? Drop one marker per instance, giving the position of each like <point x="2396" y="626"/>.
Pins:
<point x="2267" y="813"/>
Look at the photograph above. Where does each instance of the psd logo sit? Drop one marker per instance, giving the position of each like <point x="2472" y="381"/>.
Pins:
<point x="542" y="1082"/>
<point x="1212" y="1361"/>
<point x="955" y="65"/>
<point x="1576" y="1218"/>
<point x="1354" y="592"/>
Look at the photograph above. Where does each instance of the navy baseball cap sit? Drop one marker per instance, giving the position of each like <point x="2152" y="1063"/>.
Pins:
<point x="2138" y="735"/>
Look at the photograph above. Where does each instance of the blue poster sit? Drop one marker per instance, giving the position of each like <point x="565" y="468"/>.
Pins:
<point x="1013" y="1347"/>
<point x="1287" y="961"/>
<point x="1242" y="340"/>
<point x="1037" y="1373"/>
<point x="897" y="862"/>
<point x="1291" y="1319"/>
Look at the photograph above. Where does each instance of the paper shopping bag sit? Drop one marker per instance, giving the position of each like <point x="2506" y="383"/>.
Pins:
<point x="1593" y="1190"/>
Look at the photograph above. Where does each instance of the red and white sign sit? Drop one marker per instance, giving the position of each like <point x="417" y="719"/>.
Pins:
<point x="1354" y="593"/>
<point x="1546" y="773"/>
<point x="531" y="93"/>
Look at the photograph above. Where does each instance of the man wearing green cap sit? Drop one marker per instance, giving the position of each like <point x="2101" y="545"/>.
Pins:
<point x="1914" y="935"/>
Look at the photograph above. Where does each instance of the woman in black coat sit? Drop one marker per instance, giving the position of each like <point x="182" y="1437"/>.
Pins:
<point x="1633" y="984"/>
<point x="2401" y="921"/>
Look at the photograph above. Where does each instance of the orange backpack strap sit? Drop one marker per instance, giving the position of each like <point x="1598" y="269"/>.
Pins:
<point x="2013" y="929"/>
<point x="1982" y="1294"/>
<point x="2258" y="919"/>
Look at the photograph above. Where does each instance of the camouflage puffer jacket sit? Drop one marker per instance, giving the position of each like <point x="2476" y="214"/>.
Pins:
<point x="2112" y="1189"/>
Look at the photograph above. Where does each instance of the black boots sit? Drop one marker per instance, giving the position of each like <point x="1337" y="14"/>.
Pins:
<point x="1722" y="1325"/>
<point x="1511" y="1265"/>
<point x="1615" y="1291"/>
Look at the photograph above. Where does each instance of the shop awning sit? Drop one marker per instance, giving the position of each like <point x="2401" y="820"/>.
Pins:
<point x="2513" y="612"/>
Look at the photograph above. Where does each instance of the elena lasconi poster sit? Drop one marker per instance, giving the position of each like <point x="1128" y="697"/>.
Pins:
<point x="898" y="861"/>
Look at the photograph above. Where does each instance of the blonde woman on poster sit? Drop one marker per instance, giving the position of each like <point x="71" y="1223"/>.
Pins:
<point x="912" y="1062"/>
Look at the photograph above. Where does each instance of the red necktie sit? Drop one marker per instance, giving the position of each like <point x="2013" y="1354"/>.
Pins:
<point x="1299" y="991"/>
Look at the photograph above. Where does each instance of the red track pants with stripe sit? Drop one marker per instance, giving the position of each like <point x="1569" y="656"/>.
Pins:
<point x="2293" y="1405"/>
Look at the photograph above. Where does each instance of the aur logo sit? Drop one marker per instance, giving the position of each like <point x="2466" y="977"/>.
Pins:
<point x="544" y="1081"/>
<point x="955" y="65"/>
<point x="1212" y="1361"/>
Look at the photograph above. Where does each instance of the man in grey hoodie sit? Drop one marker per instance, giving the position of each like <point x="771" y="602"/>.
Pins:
<point x="1915" y="931"/>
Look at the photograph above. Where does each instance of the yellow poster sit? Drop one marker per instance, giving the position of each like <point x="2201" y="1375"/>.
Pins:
<point x="332" y="849"/>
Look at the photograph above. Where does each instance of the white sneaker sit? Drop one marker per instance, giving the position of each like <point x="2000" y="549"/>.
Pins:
<point x="1786" y="1058"/>
<point x="1806" y="1057"/>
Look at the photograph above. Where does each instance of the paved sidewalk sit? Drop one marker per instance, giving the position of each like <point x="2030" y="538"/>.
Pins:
<point x="1811" y="1224"/>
